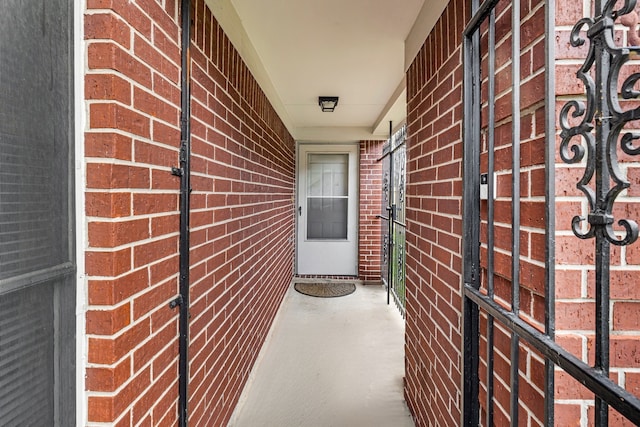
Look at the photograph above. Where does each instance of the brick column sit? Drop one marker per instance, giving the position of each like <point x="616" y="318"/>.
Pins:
<point x="369" y="237"/>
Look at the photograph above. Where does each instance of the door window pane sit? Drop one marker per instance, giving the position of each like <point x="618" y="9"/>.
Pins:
<point x="328" y="175"/>
<point x="327" y="196"/>
<point x="327" y="218"/>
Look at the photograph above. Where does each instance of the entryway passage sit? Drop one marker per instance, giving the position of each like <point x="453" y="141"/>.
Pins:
<point x="329" y="362"/>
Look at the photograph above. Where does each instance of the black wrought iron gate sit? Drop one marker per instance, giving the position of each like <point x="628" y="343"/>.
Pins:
<point x="393" y="217"/>
<point x="594" y="132"/>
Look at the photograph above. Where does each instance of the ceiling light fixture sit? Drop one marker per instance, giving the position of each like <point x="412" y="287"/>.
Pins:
<point x="328" y="103"/>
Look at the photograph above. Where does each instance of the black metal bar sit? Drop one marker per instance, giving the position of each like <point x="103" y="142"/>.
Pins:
<point x="391" y="216"/>
<point x="470" y="402"/>
<point x="515" y="205"/>
<point x="396" y="150"/>
<point x="491" y="119"/>
<point x="550" y="208"/>
<point x="185" y="208"/>
<point x="479" y="14"/>
<point x="491" y="113"/>
<point x="385" y="152"/>
<point x="384" y="265"/>
<point x="602" y="68"/>
<point x="471" y="222"/>
<point x="620" y="399"/>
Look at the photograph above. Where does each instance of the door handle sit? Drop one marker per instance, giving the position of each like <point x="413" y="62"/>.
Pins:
<point x="300" y="210"/>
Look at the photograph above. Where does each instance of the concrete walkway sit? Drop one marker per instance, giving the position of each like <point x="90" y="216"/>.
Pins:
<point x="335" y="362"/>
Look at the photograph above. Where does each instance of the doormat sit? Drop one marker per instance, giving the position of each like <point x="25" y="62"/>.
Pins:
<point x="326" y="289"/>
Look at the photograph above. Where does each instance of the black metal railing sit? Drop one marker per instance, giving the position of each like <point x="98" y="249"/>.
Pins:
<point x="393" y="215"/>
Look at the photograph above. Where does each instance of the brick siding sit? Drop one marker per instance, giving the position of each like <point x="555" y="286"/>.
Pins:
<point x="434" y="225"/>
<point x="241" y="220"/>
<point x="370" y="202"/>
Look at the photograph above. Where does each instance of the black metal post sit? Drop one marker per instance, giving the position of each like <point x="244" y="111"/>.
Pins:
<point x="603" y="247"/>
<point x="490" y="207"/>
<point x="471" y="219"/>
<point x="550" y="207"/>
<point x="392" y="215"/>
<point x="515" y="206"/>
<point x="185" y="209"/>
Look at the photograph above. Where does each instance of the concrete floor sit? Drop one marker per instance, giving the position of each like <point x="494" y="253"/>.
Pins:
<point x="329" y="362"/>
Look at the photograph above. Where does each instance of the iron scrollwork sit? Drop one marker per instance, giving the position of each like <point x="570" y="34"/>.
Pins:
<point x="603" y="113"/>
<point x="402" y="177"/>
<point x="385" y="251"/>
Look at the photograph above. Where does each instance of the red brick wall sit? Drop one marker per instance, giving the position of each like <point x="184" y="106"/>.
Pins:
<point x="434" y="189"/>
<point x="241" y="219"/>
<point x="370" y="201"/>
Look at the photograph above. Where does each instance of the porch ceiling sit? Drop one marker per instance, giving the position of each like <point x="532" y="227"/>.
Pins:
<point x="355" y="49"/>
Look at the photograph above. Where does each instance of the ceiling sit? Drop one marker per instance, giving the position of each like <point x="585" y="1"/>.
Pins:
<point x="355" y="49"/>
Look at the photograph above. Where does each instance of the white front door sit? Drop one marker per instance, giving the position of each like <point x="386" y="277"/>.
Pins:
<point x="328" y="209"/>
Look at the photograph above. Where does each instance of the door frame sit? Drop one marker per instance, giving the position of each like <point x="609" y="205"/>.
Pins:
<point x="353" y="200"/>
<point x="80" y="123"/>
